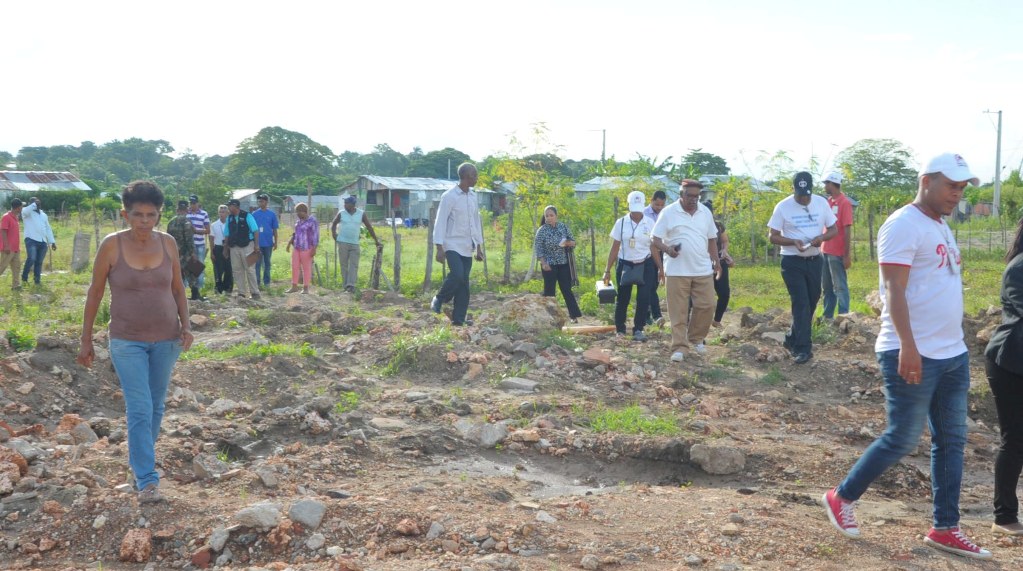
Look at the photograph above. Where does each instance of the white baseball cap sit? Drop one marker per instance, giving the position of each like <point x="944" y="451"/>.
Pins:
<point x="637" y="201"/>
<point x="835" y="177"/>
<point x="952" y="166"/>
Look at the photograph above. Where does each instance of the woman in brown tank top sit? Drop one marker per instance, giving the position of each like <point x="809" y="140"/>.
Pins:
<point x="149" y="324"/>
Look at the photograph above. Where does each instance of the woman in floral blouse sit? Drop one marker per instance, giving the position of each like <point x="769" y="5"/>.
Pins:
<point x="305" y="239"/>
<point x="551" y="240"/>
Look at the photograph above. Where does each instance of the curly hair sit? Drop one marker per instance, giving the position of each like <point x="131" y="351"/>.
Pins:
<point x="141" y="191"/>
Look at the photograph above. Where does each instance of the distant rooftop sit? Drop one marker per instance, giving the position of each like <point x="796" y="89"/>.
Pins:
<point x="31" y="181"/>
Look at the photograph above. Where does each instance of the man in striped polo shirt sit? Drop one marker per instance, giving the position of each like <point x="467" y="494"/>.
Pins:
<point x="201" y="223"/>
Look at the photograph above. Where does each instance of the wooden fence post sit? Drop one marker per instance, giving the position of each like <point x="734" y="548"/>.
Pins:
<point x="593" y="249"/>
<point x="430" y="249"/>
<point x="508" y="241"/>
<point x="397" y="251"/>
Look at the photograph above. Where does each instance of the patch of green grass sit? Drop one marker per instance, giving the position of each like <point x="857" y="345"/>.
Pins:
<point x="559" y="338"/>
<point x="349" y="402"/>
<point x="773" y="376"/>
<point x="253" y="349"/>
<point x="404" y="348"/>
<point x="21" y="338"/>
<point x="728" y="362"/>
<point x="716" y="374"/>
<point x="259" y="316"/>
<point x="822" y="332"/>
<point x="631" y="420"/>
<point x="307" y="350"/>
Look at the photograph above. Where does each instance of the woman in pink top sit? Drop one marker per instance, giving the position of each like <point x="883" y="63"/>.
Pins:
<point x="305" y="239"/>
<point x="149" y="324"/>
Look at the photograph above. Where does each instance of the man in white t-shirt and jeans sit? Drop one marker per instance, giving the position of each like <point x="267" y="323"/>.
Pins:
<point x="686" y="234"/>
<point x="922" y="355"/>
<point x="800" y="224"/>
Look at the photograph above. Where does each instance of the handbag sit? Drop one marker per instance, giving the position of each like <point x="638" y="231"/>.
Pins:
<point x="252" y="257"/>
<point x="633" y="275"/>
<point x="195" y="267"/>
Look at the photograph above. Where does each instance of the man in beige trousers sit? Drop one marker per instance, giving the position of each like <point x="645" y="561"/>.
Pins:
<point x="686" y="234"/>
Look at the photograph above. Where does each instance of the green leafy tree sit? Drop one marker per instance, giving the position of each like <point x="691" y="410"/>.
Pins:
<point x="704" y="163"/>
<point x="436" y="164"/>
<point x="872" y="164"/>
<point x="278" y="155"/>
<point x="385" y="161"/>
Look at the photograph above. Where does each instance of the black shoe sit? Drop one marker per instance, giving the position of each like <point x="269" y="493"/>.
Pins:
<point x="802" y="358"/>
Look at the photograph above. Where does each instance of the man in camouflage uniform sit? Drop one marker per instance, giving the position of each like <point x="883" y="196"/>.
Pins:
<point x="180" y="228"/>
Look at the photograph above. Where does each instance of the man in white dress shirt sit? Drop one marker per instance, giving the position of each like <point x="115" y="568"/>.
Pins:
<point x="458" y="233"/>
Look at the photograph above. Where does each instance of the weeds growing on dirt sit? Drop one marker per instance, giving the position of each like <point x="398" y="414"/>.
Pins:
<point x="253" y="349"/>
<point x="822" y="332"/>
<point x="773" y="376"/>
<point x="259" y="316"/>
<point x="349" y="402"/>
<point x="404" y="348"/>
<point x="563" y="340"/>
<point x="631" y="420"/>
<point x="21" y="338"/>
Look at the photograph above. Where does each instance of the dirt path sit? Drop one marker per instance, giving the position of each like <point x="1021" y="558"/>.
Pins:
<point x="455" y="461"/>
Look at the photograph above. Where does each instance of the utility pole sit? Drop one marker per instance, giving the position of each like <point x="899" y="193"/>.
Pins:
<point x="996" y="207"/>
<point x="603" y="146"/>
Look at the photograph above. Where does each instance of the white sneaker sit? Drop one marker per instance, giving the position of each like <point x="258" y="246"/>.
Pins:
<point x="678" y="356"/>
<point x="700" y="349"/>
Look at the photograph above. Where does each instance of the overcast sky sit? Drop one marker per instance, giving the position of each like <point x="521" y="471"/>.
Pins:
<point x="733" y="77"/>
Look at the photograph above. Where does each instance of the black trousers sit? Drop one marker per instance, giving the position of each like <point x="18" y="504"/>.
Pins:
<point x="642" y="295"/>
<point x="723" y="291"/>
<point x="802" y="277"/>
<point x="1007" y="388"/>
<point x="222" y="273"/>
<point x="561" y="276"/>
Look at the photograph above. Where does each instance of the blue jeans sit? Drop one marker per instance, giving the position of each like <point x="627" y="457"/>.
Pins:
<point x="835" y="286"/>
<point x="802" y="278"/>
<point x="456" y="285"/>
<point x="940" y="399"/>
<point x="144" y="370"/>
<point x="264" y="264"/>
<point x="34" y="254"/>
<point x="200" y="254"/>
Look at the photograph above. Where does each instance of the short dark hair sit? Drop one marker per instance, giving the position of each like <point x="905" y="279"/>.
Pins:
<point x="263" y="197"/>
<point x="660" y="195"/>
<point x="141" y="192"/>
<point x="16" y="203"/>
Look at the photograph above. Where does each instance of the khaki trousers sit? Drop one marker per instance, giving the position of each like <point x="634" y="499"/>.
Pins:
<point x="245" y="281"/>
<point x="679" y="290"/>
<point x="12" y="259"/>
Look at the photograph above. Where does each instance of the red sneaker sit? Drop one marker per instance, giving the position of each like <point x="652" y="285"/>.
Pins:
<point x="954" y="541"/>
<point x="840" y="512"/>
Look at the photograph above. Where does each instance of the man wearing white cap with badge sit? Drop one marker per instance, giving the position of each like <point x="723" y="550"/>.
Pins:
<point x="631" y="236"/>
<point x="685" y="232"/>
<point x="922" y="356"/>
<point x="837" y="258"/>
<point x="800" y="224"/>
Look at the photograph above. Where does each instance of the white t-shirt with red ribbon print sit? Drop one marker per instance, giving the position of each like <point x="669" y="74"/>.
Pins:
<point x="934" y="292"/>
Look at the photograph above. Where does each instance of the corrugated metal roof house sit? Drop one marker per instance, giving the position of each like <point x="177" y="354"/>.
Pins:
<point x="410" y="197"/>
<point x="37" y="181"/>
<point x="648" y="184"/>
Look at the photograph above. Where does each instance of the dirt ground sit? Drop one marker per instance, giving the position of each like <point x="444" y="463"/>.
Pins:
<point x="450" y="465"/>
